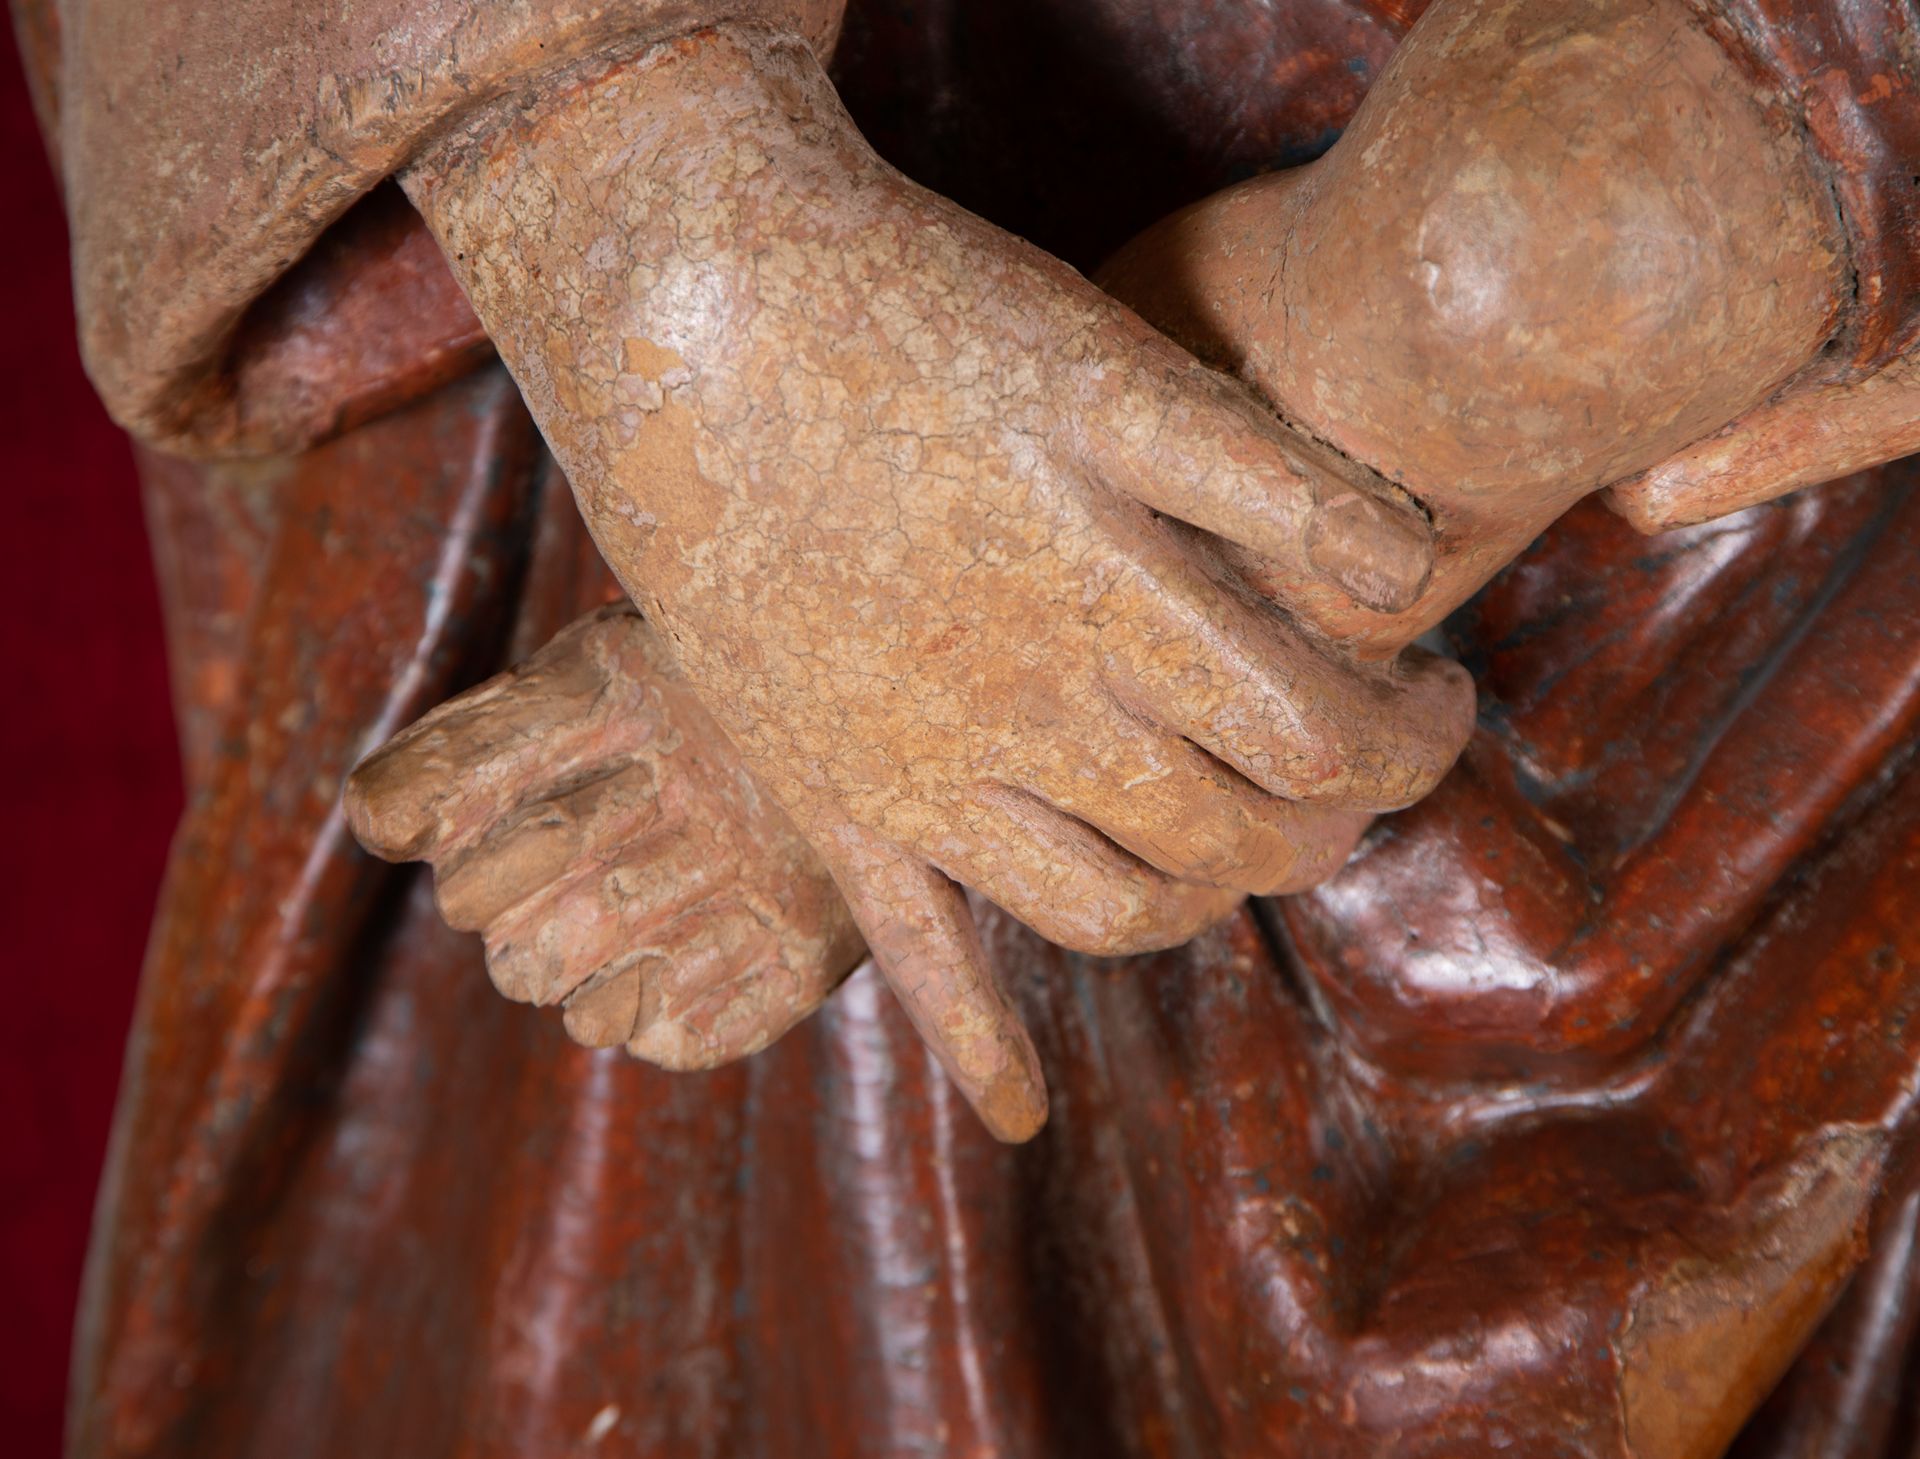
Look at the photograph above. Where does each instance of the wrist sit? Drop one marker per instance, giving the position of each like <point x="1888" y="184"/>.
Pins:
<point x="620" y="232"/>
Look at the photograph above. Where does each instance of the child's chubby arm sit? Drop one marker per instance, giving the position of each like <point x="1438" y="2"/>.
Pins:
<point x="1559" y="242"/>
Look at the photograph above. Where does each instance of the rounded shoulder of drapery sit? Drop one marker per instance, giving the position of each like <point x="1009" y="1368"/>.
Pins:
<point x="205" y="148"/>
<point x="1851" y="73"/>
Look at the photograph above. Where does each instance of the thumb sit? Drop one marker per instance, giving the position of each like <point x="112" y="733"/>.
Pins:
<point x="922" y="936"/>
<point x="1801" y="438"/>
<point x="1201" y="447"/>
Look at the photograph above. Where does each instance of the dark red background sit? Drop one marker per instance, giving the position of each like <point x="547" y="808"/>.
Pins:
<point x="92" y="777"/>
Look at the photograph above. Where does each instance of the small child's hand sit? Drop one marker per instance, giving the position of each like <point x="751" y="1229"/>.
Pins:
<point x="586" y="815"/>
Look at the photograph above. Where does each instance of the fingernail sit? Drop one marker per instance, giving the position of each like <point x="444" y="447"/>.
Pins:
<point x="387" y="813"/>
<point x="1014" y="1109"/>
<point x="1379" y="555"/>
<point x="604" y="1012"/>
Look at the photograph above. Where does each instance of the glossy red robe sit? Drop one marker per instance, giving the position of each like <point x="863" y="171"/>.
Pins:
<point x="1353" y="1175"/>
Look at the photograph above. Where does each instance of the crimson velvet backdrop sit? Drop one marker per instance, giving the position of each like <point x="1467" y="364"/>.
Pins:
<point x="91" y="775"/>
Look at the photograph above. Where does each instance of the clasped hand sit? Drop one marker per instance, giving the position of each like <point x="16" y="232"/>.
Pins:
<point x="952" y="546"/>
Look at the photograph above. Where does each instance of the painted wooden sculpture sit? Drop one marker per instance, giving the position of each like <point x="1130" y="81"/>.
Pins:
<point x="1563" y="1116"/>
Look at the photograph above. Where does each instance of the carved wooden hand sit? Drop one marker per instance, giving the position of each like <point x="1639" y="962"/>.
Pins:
<point x="893" y="483"/>
<point x="585" y="813"/>
<point x="916" y="508"/>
